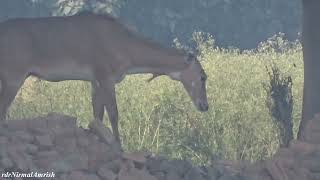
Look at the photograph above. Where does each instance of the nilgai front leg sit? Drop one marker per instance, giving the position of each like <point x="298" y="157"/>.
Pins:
<point x="103" y="95"/>
<point x="10" y="86"/>
<point x="97" y="101"/>
<point x="112" y="109"/>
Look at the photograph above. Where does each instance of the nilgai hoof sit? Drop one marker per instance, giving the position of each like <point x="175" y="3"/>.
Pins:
<point x="105" y="134"/>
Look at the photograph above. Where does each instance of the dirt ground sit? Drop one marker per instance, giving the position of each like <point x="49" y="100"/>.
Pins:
<point x="53" y="147"/>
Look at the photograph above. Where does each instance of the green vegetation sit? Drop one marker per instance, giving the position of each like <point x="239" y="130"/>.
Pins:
<point x="160" y="117"/>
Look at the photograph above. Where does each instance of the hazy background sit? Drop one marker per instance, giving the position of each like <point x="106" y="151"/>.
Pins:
<point x="237" y="23"/>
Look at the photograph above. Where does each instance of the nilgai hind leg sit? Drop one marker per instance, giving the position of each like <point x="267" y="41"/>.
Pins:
<point x="103" y="95"/>
<point x="10" y="86"/>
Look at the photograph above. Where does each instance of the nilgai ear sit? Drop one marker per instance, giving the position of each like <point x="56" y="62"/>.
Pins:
<point x="155" y="75"/>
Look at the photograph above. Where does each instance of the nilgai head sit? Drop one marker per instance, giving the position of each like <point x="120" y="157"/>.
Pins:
<point x="193" y="79"/>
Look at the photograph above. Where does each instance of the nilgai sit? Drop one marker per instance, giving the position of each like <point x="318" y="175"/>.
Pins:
<point x="89" y="47"/>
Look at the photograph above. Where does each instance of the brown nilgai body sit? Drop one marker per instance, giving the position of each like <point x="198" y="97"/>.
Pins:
<point x="89" y="47"/>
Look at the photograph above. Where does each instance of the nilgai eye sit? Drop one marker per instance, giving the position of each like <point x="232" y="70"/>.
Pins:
<point x="203" y="78"/>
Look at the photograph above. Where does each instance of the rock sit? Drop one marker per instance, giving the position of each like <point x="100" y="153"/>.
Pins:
<point x="106" y="174"/>
<point x="138" y="157"/>
<point x="93" y="138"/>
<point x="82" y="137"/>
<point x="284" y="152"/>
<point x="194" y="173"/>
<point x="45" y="158"/>
<point x="67" y="145"/>
<point x="63" y="132"/>
<point x="230" y="177"/>
<point x="4" y="131"/>
<point x="103" y="133"/>
<point x="31" y="148"/>
<point x="4" y="149"/>
<point x="22" y="148"/>
<point x="101" y="152"/>
<point x="314" y="124"/>
<point x="44" y="140"/>
<point x="314" y="176"/>
<point x="92" y="177"/>
<point x="15" y="125"/>
<point x="22" y="161"/>
<point x="81" y="132"/>
<point x="312" y="131"/>
<point x="298" y="174"/>
<point x="24" y="136"/>
<point x="162" y="176"/>
<point x="3" y="140"/>
<point x="70" y="162"/>
<point x="173" y="176"/>
<point x="79" y="175"/>
<point x="6" y="163"/>
<point x="231" y="167"/>
<point x="310" y="163"/>
<point x="82" y="141"/>
<point x="154" y="165"/>
<point x="114" y="166"/>
<point x="165" y="166"/>
<point x="181" y="166"/>
<point x="278" y="168"/>
<point x="256" y="171"/>
<point x="39" y="131"/>
<point x="313" y="138"/>
<point x="37" y="123"/>
<point x="57" y="120"/>
<point x="60" y="166"/>
<point x="64" y="176"/>
<point x="49" y="154"/>
<point x="213" y="173"/>
<point x="135" y="174"/>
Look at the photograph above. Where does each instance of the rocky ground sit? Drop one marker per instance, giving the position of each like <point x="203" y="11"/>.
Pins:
<point x="55" y="146"/>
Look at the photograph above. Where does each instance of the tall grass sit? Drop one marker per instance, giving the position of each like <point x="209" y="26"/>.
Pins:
<point x="159" y="116"/>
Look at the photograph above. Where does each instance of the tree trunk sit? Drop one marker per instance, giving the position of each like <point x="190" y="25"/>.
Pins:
<point x="311" y="56"/>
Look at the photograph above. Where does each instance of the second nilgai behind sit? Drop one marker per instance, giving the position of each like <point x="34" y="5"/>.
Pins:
<point x="89" y="47"/>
